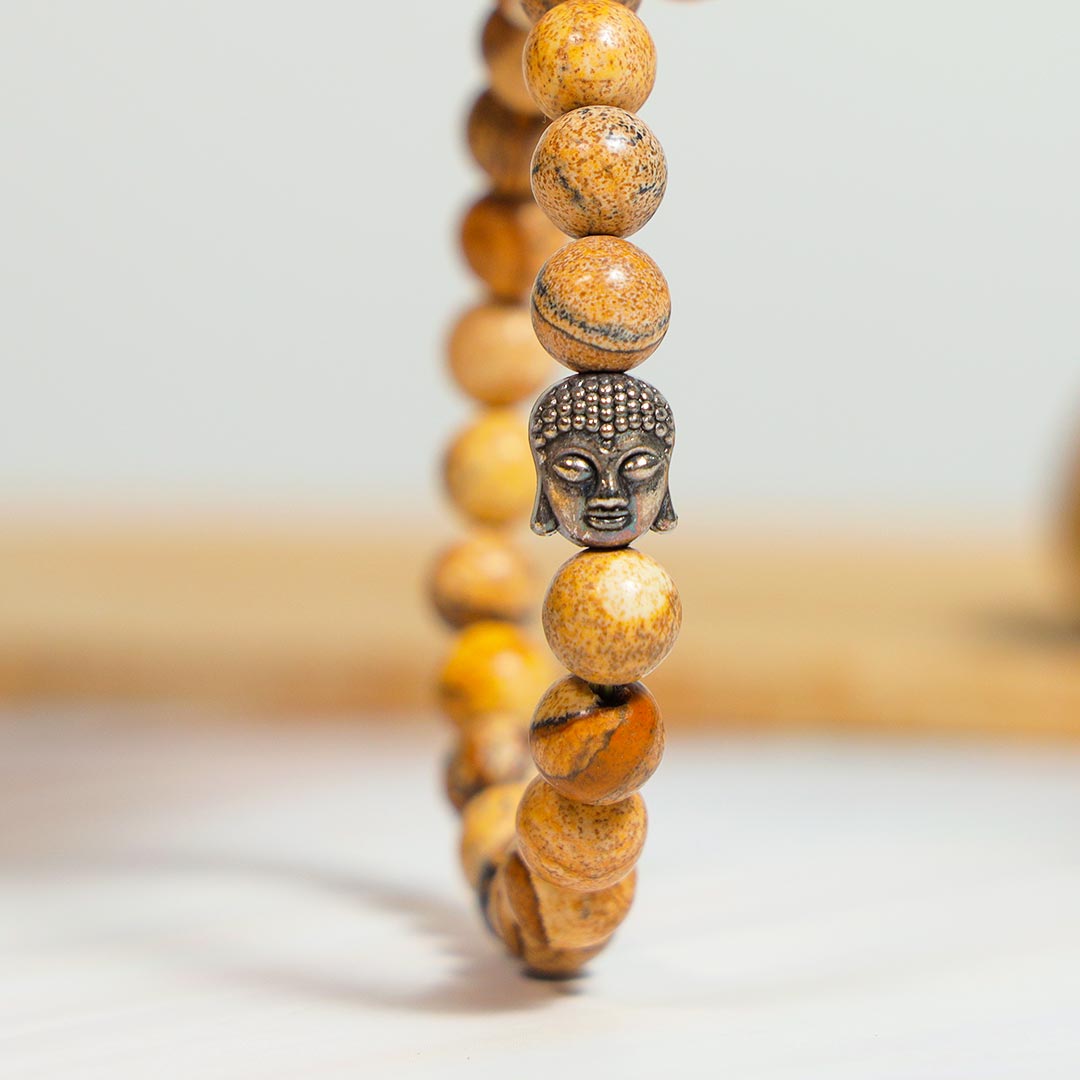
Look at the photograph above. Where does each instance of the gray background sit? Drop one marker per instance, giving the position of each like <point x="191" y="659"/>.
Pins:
<point x="227" y="251"/>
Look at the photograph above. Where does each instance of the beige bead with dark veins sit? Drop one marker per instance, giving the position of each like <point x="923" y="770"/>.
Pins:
<point x="611" y="616"/>
<point x="575" y="845"/>
<point x="484" y="576"/>
<point x="502" y="142"/>
<point x="537" y="9"/>
<point x="559" y="918"/>
<point x="596" y="746"/>
<point x="502" y="44"/>
<point x="599" y="171"/>
<point x="505" y="238"/>
<point x="494" y="355"/>
<point x="492" y="667"/>
<point x="487" y="828"/>
<point x="492" y="749"/>
<point x="488" y="469"/>
<point x="589" y="52"/>
<point x="600" y="304"/>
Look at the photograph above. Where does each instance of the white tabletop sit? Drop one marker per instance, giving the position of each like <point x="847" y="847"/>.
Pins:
<point x="191" y="900"/>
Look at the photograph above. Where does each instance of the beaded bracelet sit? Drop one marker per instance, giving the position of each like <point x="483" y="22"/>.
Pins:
<point x="552" y="859"/>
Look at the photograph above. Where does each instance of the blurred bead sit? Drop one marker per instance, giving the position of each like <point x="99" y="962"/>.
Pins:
<point x="576" y="845"/>
<point x="600" y="304"/>
<point x="484" y="576"/>
<point x="494" y="355"/>
<point x="558" y="918"/>
<point x="596" y="747"/>
<point x="502" y="142"/>
<point x="505" y="239"/>
<point x="502" y="44"/>
<point x="492" y="667"/>
<point x="543" y="962"/>
<point x="492" y="749"/>
<point x="599" y="170"/>
<point x="536" y="9"/>
<point x="487" y="827"/>
<point x="489" y="471"/>
<point x="499" y="915"/>
<point x="611" y="617"/>
<point x="513" y="12"/>
<point x="589" y="52"/>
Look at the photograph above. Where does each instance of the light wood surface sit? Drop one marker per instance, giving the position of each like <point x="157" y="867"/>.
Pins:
<point x="244" y="901"/>
<point x="870" y="632"/>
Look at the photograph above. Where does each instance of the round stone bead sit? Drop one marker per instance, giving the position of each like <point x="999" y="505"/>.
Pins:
<point x="492" y="667"/>
<point x="502" y="44"/>
<point x="484" y="576"/>
<point x="495" y="906"/>
<point x="575" y="845"/>
<point x="600" y="304"/>
<point x="493" y="749"/>
<point x="611" y="616"/>
<point x="596" y="746"/>
<point x="489" y="470"/>
<point x="589" y="52"/>
<point x="502" y="142"/>
<point x="544" y="962"/>
<point x="599" y="170"/>
<point x="487" y="827"/>
<point x="494" y="355"/>
<point x="504" y="239"/>
<point x="513" y="12"/>
<point x="559" y="918"/>
<point x="537" y="9"/>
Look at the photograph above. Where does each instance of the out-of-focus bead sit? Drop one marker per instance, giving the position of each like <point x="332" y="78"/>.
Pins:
<point x="537" y="9"/>
<point x="487" y="827"/>
<point x="502" y="44"/>
<point x="492" y="749"/>
<point x="484" y="576"/>
<point x="488" y="469"/>
<point x="502" y="142"/>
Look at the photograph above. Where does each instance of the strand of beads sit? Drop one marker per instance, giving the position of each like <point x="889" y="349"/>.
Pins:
<point x="601" y="443"/>
<point x="482" y="585"/>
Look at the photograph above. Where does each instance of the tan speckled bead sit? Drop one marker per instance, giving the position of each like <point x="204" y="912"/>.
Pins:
<point x="502" y="44"/>
<point x="589" y="52"/>
<point x="596" y="746"/>
<point x="492" y="667"/>
<point x="600" y="304"/>
<point x="536" y="9"/>
<point x="489" y="470"/>
<point x="492" y="749"/>
<point x="494" y="355"/>
<point x="502" y="142"/>
<point x="611" y="616"/>
<point x="497" y="911"/>
<point x="599" y="170"/>
<point x="504" y="239"/>
<point x="559" y="918"/>
<point x="484" y="576"/>
<point x="544" y="962"/>
<point x="576" y="845"/>
<point x="487" y="828"/>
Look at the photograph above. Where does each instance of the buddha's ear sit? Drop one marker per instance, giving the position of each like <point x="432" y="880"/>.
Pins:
<point x="667" y="519"/>
<point x="543" y="518"/>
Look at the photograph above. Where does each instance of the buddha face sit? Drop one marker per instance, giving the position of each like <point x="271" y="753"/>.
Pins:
<point x="603" y="493"/>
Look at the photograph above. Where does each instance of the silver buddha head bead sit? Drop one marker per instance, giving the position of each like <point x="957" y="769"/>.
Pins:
<point x="602" y="445"/>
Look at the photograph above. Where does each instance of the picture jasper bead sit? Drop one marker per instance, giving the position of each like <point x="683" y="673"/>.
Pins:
<point x="536" y="9"/>
<point x="596" y="746"/>
<point x="498" y="913"/>
<point x="489" y="470"/>
<point x="492" y="667"/>
<point x="559" y="918"/>
<point x="502" y="44"/>
<point x="599" y="170"/>
<point x="589" y="52"/>
<point x="494" y="355"/>
<point x="504" y="239"/>
<point x="502" y="142"/>
<point x="487" y="828"/>
<point x="611" y="616"/>
<point x="484" y="576"/>
<point x="492" y="749"/>
<point x="600" y="304"/>
<point x="575" y="845"/>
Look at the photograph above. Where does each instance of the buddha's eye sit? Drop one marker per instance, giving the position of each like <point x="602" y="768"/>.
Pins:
<point x="574" y="468"/>
<point x="640" y="466"/>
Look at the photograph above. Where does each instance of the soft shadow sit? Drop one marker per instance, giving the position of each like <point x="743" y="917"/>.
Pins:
<point x="1034" y="629"/>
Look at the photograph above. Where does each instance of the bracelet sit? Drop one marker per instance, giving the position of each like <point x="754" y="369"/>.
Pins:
<point x="552" y="859"/>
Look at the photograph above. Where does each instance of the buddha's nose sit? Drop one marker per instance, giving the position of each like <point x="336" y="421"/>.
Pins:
<point x="608" y="488"/>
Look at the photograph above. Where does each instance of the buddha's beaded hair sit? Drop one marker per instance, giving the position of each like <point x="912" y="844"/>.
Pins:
<point x="602" y="405"/>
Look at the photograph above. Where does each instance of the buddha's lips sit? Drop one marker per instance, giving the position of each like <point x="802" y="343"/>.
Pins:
<point x="608" y="520"/>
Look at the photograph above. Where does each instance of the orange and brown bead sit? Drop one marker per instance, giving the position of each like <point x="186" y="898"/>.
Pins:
<point x="589" y="52"/>
<point x="487" y="829"/>
<point x="492" y="749"/>
<point x="502" y="44"/>
<point x="596" y="744"/>
<point x="485" y="576"/>
<point x="599" y="170"/>
<point x="502" y="142"/>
